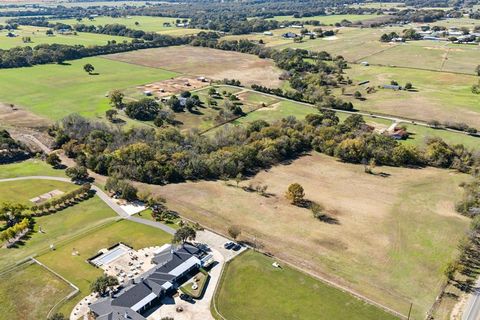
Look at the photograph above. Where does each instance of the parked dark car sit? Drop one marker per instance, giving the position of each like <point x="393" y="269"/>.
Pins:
<point x="229" y="245"/>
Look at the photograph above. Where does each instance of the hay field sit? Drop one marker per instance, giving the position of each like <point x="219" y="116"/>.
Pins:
<point x="210" y="63"/>
<point x="395" y="235"/>
<point x="38" y="36"/>
<point x="439" y="95"/>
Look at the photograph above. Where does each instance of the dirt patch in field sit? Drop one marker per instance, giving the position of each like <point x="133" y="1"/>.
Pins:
<point x="379" y="241"/>
<point x="173" y="86"/>
<point x="206" y="62"/>
<point x="18" y="117"/>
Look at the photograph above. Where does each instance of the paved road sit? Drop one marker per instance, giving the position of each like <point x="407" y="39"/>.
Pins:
<point x="472" y="309"/>
<point x="105" y="198"/>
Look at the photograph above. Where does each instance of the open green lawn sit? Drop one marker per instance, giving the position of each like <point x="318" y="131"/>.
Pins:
<point x="54" y="91"/>
<point x="252" y="288"/>
<point x="330" y="19"/>
<point x="29" y="292"/>
<point x="38" y="36"/>
<point x="439" y="95"/>
<point x="78" y="271"/>
<point x="23" y="190"/>
<point x="151" y="24"/>
<point x="31" y="167"/>
<point x="59" y="227"/>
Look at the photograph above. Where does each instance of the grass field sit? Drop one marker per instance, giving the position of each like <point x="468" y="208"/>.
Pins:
<point x="210" y="63"/>
<point x="23" y="190"/>
<point x="78" y="271"/>
<point x="31" y="167"/>
<point x="439" y="96"/>
<point x="59" y="227"/>
<point x="54" y="91"/>
<point x="418" y="134"/>
<point x="150" y="24"/>
<point x="330" y="19"/>
<point x="252" y="288"/>
<point x="393" y="238"/>
<point x="38" y="37"/>
<point x="29" y="292"/>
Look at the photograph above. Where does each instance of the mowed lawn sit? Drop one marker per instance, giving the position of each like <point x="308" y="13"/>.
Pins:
<point x="394" y="235"/>
<point x="58" y="228"/>
<point x="22" y="190"/>
<point x="148" y="24"/>
<point x="29" y="292"/>
<point x="437" y="96"/>
<point x="251" y="288"/>
<point x="31" y="167"/>
<point x="80" y="272"/>
<point x="38" y="36"/>
<point x="54" y="91"/>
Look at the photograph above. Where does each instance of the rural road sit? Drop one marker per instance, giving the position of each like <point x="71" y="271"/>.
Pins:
<point x="472" y="309"/>
<point x="105" y="198"/>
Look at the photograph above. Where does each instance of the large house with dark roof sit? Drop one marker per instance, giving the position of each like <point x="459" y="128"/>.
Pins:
<point x="172" y="268"/>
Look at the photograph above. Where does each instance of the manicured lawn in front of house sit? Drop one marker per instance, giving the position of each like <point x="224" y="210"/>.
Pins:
<point x="251" y="288"/>
<point x="54" y="91"/>
<point x="80" y="272"/>
<point x="29" y="292"/>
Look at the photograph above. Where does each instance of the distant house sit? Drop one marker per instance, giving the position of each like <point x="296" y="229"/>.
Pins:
<point x="172" y="269"/>
<point x="297" y="26"/>
<point x="431" y="38"/>
<point x="182" y="25"/>
<point x="392" y="87"/>
<point x="364" y="63"/>
<point x="268" y="33"/>
<point x="398" y="134"/>
<point x="290" y="35"/>
<point x="399" y="39"/>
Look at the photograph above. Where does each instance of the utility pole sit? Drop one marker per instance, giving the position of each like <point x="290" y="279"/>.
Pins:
<point x="410" y="311"/>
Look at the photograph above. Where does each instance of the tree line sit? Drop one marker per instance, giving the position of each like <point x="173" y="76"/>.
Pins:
<point x="12" y="150"/>
<point x="167" y="155"/>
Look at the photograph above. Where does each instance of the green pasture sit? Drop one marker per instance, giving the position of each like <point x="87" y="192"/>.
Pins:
<point x="38" y="36"/>
<point x="80" y="272"/>
<point x="251" y="288"/>
<point x="418" y="134"/>
<point x="438" y="96"/>
<point x="29" y="292"/>
<point x="351" y="43"/>
<point x="148" y="24"/>
<point x="54" y="91"/>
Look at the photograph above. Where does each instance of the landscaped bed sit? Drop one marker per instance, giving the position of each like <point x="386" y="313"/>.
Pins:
<point x="198" y="282"/>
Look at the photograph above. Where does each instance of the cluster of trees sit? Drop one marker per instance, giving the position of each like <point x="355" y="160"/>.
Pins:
<point x="103" y="283"/>
<point x="168" y="155"/>
<point x="121" y="189"/>
<point x="12" y="150"/>
<point x="58" y="53"/>
<point x="15" y="230"/>
<point x="144" y="109"/>
<point x="470" y="203"/>
<point x="387" y="37"/>
<point x="460" y="126"/>
<point x="63" y="201"/>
